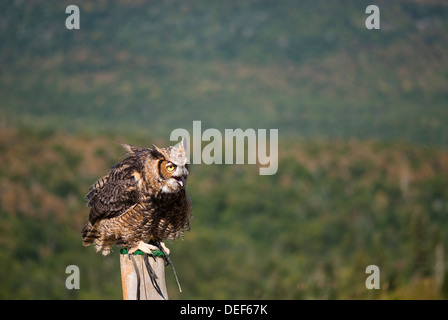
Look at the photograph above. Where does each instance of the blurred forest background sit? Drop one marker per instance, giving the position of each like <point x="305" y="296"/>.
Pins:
<point x="362" y="118"/>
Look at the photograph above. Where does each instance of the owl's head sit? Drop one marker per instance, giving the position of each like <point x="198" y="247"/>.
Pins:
<point x="166" y="168"/>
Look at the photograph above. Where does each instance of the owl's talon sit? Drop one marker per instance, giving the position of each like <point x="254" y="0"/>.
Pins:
<point x="167" y="251"/>
<point x="144" y="247"/>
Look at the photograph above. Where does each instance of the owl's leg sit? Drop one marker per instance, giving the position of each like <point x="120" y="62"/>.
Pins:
<point x="144" y="247"/>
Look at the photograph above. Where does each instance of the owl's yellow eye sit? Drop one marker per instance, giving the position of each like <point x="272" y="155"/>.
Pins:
<point x="170" y="167"/>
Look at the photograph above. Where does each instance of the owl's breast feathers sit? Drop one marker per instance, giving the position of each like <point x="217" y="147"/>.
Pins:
<point x="170" y="214"/>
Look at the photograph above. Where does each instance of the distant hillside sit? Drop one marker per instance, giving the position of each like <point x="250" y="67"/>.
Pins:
<point x="307" y="232"/>
<point x="309" y="68"/>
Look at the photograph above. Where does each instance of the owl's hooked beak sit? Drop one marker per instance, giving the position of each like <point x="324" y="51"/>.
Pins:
<point x="180" y="180"/>
<point x="181" y="176"/>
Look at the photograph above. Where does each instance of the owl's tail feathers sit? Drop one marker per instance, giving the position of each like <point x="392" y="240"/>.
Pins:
<point x="89" y="234"/>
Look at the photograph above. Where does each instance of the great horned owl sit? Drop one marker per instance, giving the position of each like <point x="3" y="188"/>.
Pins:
<point x="142" y="199"/>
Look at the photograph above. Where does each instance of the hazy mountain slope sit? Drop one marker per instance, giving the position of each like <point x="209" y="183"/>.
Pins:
<point x="308" y="68"/>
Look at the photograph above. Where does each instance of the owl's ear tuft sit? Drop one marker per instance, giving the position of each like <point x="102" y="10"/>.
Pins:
<point x="130" y="149"/>
<point x="156" y="152"/>
<point x="182" y="145"/>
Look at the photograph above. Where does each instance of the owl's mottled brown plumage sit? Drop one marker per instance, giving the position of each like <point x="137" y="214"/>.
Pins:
<point x="143" y="198"/>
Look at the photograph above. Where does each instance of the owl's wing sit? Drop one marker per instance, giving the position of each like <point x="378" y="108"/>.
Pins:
<point x="110" y="198"/>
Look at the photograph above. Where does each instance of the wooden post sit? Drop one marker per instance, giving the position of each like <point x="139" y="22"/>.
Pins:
<point x="137" y="284"/>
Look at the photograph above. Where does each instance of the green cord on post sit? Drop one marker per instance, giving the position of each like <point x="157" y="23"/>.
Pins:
<point x="155" y="253"/>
